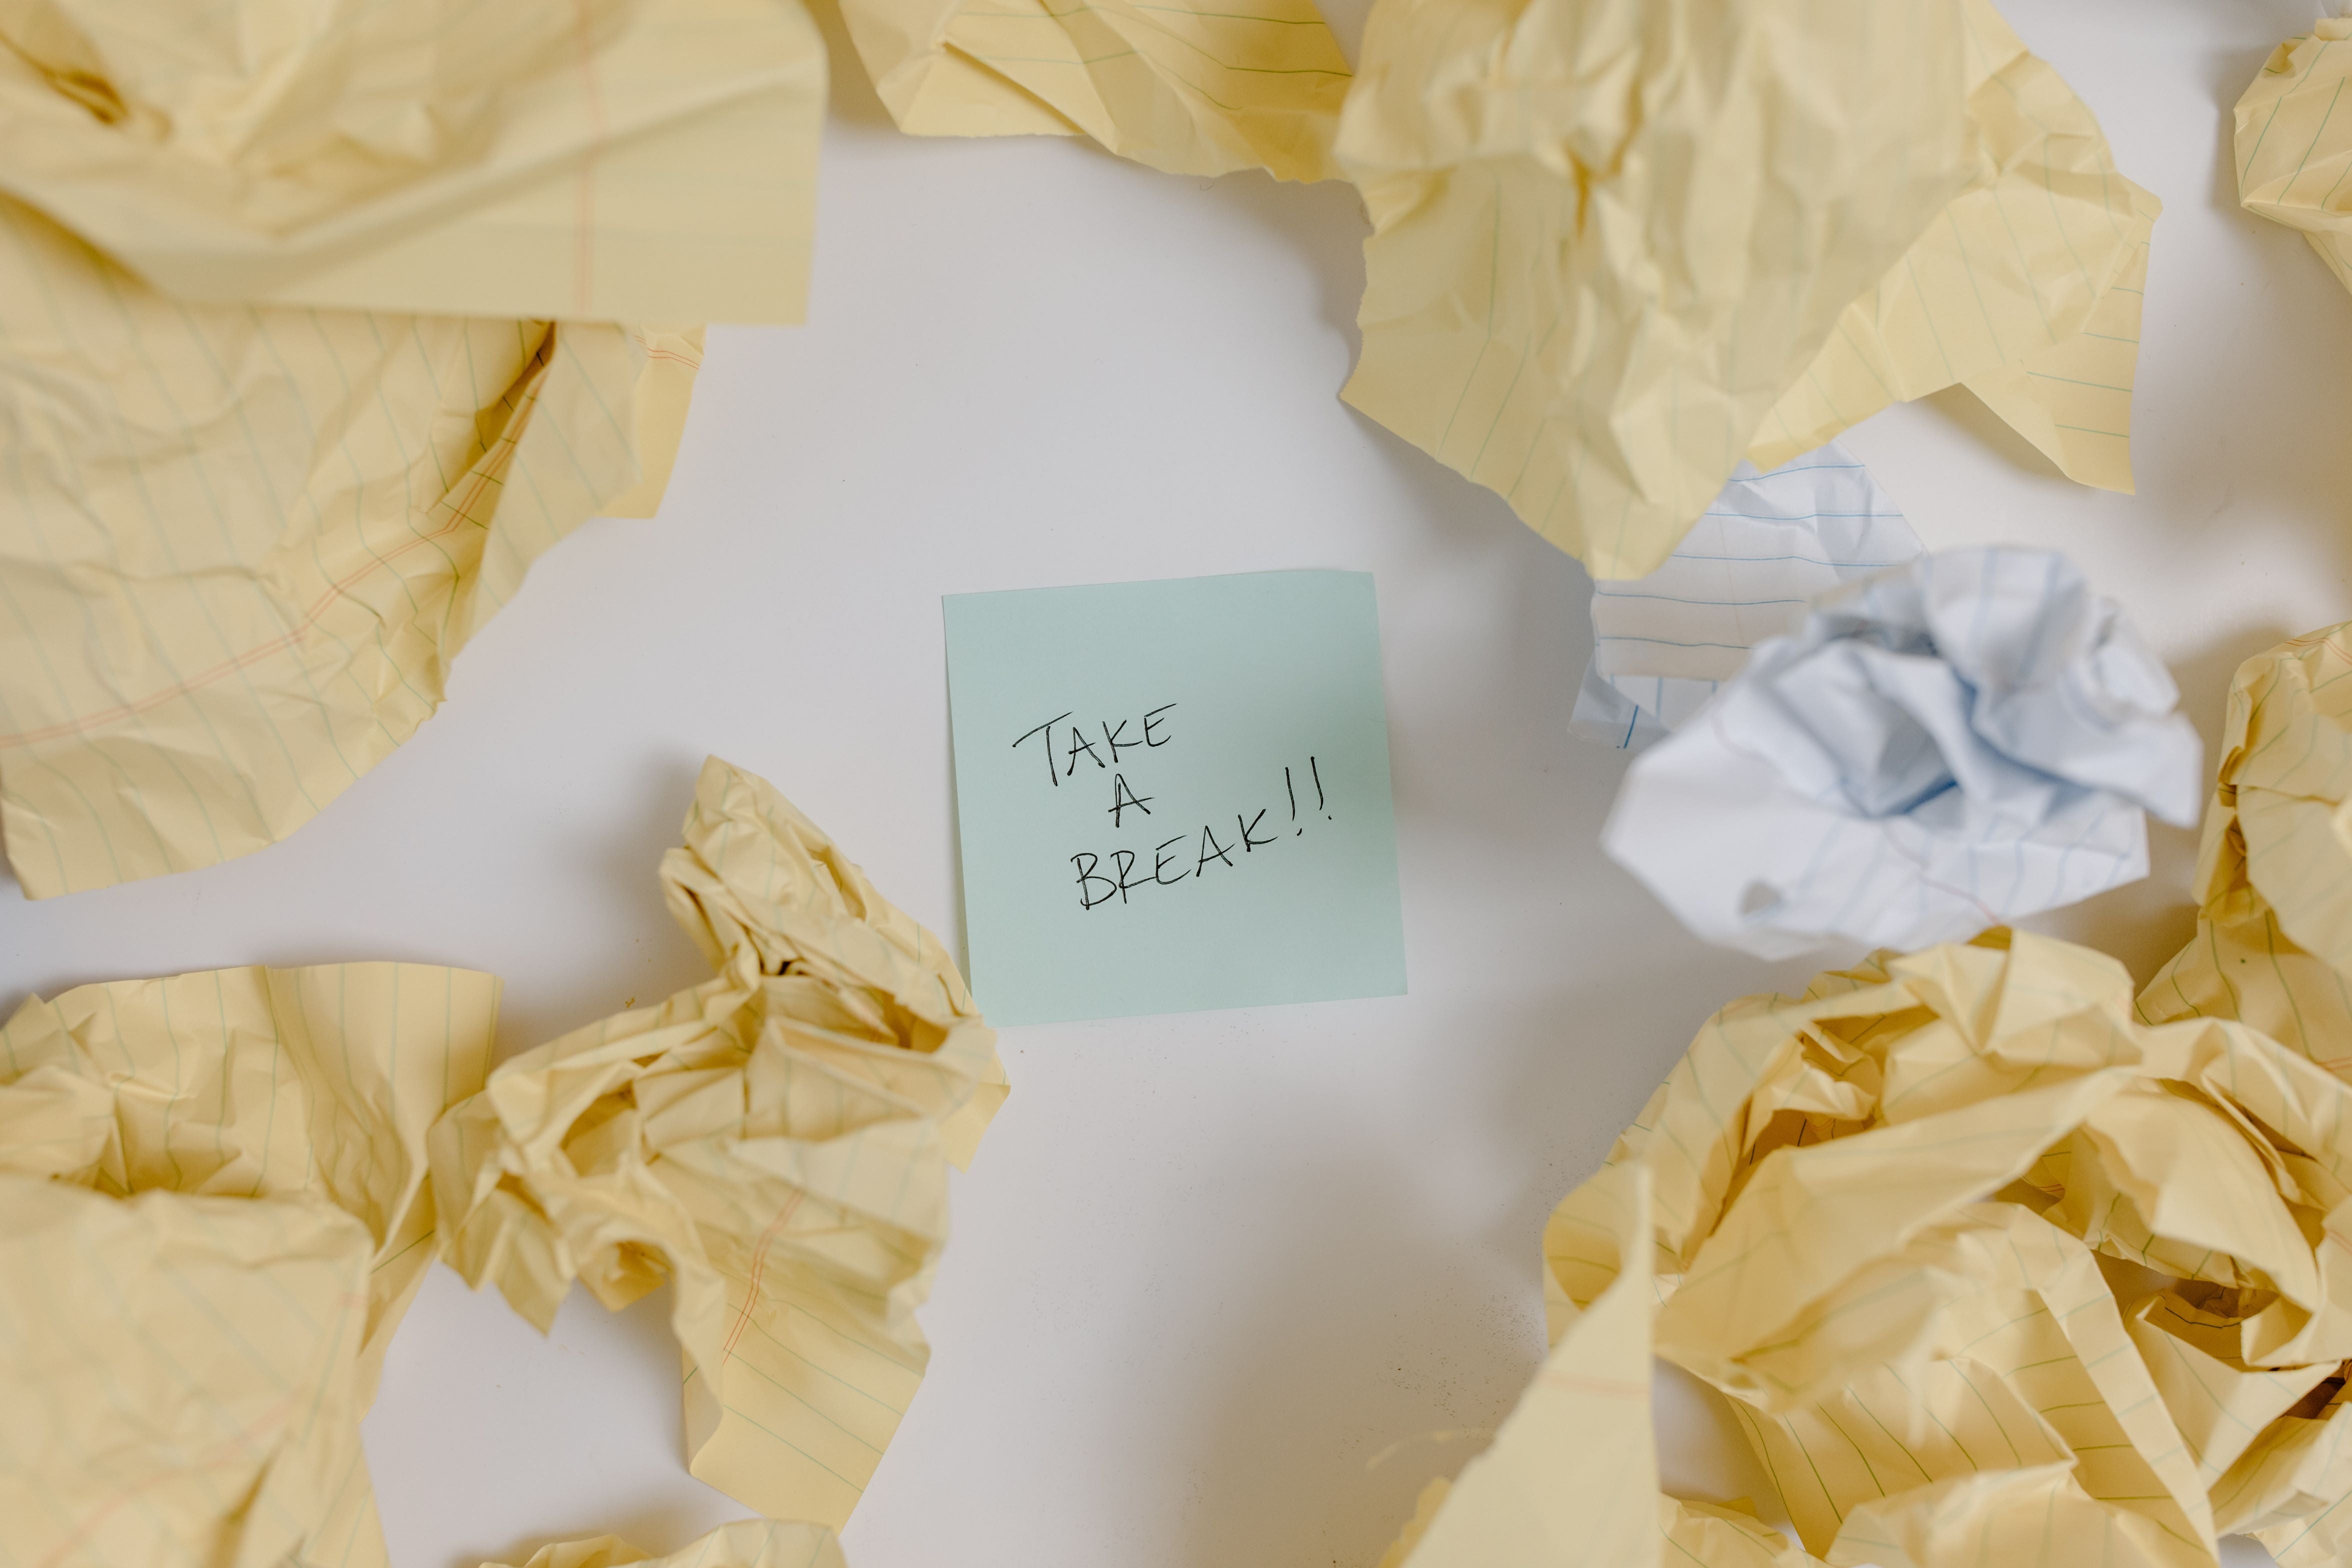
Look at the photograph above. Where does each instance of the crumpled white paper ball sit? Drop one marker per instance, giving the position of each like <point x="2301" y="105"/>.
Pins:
<point x="1963" y="740"/>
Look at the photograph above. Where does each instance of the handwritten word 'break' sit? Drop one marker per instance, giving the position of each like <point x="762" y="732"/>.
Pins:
<point x="1096" y="886"/>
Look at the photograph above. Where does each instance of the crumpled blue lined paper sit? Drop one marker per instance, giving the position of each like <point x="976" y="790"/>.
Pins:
<point x="1957" y="741"/>
<point x="1664" y="643"/>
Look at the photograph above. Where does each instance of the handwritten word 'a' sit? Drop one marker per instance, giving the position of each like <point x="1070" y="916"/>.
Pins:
<point x="1076" y="741"/>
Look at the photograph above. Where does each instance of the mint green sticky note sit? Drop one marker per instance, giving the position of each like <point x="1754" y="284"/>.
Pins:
<point x="1173" y="796"/>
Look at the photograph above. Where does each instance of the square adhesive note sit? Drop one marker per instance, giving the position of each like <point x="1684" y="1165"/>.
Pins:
<point x="1173" y="796"/>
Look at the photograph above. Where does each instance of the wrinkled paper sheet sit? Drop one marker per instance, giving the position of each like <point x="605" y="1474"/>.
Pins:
<point x="1664" y="643"/>
<point x="213" y="1210"/>
<point x="1191" y="89"/>
<point x="610" y="160"/>
<point x="773" y="1142"/>
<point x="1964" y="739"/>
<point x="1991" y="1273"/>
<point x="246" y="535"/>
<point x="2293" y="150"/>
<point x="2274" y="942"/>
<point x="240" y="547"/>
<point x="746" y="1543"/>
<point x="2027" y="290"/>
<point x="221" y="1190"/>
<point x="1775" y="220"/>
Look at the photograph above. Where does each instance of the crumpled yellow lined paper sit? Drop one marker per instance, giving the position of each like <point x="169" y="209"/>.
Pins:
<point x="1618" y="246"/>
<point x="746" y="1543"/>
<point x="775" y="1140"/>
<point x="1608" y="233"/>
<point x="214" y="1204"/>
<point x="1190" y="88"/>
<point x="2274" y="942"/>
<point x="1990" y="1271"/>
<point x="238" y="547"/>
<point x="2293" y="150"/>
<point x="213" y="1210"/>
<point x="245" y="528"/>
<point x="1517" y="1505"/>
<point x="582" y="159"/>
<point x="2027" y="290"/>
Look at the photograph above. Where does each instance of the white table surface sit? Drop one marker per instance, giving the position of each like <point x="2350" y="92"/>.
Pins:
<point x="1225" y="1289"/>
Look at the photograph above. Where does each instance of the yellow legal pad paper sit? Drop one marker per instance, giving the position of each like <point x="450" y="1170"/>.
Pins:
<point x="774" y="1140"/>
<point x="2026" y="290"/>
<point x="239" y="548"/>
<point x="1620" y="245"/>
<point x="219" y="1192"/>
<point x="746" y="1543"/>
<point x="2274" y="942"/>
<point x="1990" y="1271"/>
<point x="1205" y="87"/>
<point x="213" y="1210"/>
<point x="621" y="161"/>
<point x="247" y="526"/>
<point x="2294" y="142"/>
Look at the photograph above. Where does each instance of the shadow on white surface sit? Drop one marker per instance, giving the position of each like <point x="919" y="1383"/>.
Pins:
<point x="619" y="860"/>
<point x="551" y="1438"/>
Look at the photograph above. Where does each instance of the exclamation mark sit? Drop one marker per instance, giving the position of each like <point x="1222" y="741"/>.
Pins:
<point x="1293" y="794"/>
<point x="1319" y="787"/>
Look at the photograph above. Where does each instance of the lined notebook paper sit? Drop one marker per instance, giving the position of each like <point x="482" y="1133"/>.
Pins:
<point x="746" y="1543"/>
<point x="1877" y="1217"/>
<point x="2028" y="292"/>
<point x="1969" y="738"/>
<point x="1989" y="242"/>
<point x="2274" y="942"/>
<point x="1193" y="89"/>
<point x="775" y="1141"/>
<point x="213" y="1213"/>
<point x="633" y="160"/>
<point x="239" y="547"/>
<point x="1664" y="643"/>
<point x="1600" y="345"/>
<point x="2293" y="150"/>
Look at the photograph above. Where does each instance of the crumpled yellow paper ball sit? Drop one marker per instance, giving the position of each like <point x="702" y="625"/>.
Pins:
<point x="213" y="1213"/>
<point x="587" y="159"/>
<point x="1990" y="1271"/>
<point x="1619" y="245"/>
<point x="773" y="1142"/>
<point x="2292" y="151"/>
<point x="2274" y="942"/>
<point x="1202" y="89"/>
<point x="746" y="1543"/>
